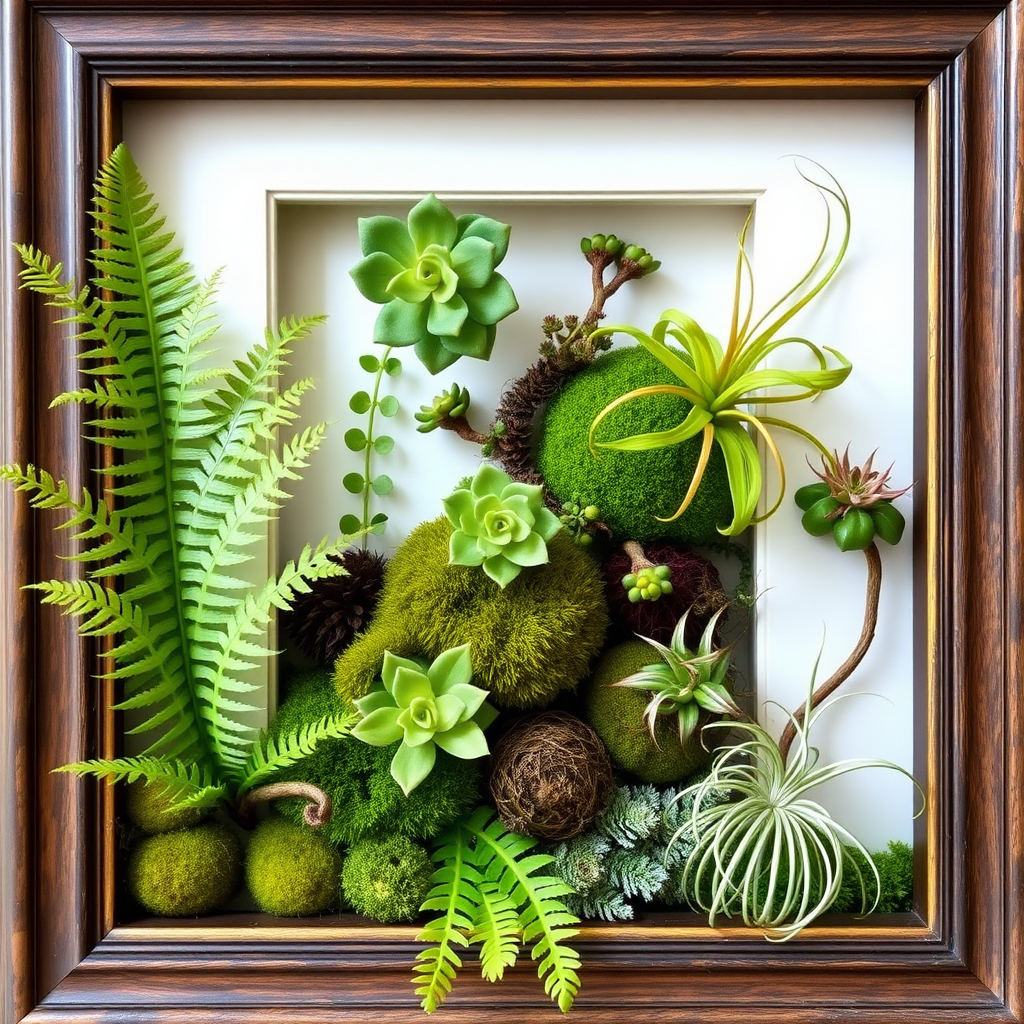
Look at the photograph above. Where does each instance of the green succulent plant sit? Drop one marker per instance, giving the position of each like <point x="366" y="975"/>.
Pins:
<point x="450" y="404"/>
<point x="853" y="503"/>
<point x="426" y="707"/>
<point x="435" y="277"/>
<point x="500" y="524"/>
<point x="718" y="383"/>
<point x="685" y="682"/>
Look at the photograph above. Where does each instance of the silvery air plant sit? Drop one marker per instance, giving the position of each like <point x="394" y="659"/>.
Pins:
<point x="426" y="706"/>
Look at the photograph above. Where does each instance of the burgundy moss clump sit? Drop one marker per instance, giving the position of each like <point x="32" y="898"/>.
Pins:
<point x="696" y="585"/>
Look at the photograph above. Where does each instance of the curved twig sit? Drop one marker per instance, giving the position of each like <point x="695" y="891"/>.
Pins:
<point x="317" y="811"/>
<point x="867" y="634"/>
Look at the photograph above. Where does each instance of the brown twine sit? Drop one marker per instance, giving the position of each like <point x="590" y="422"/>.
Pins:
<point x="317" y="811"/>
<point x="550" y="776"/>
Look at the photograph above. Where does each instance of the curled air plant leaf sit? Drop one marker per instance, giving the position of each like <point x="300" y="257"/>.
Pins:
<point x="718" y="383"/>
<point x="499" y="524"/>
<point x="425" y="707"/>
<point x="686" y="682"/>
<point x="435" y="277"/>
<point x="853" y="503"/>
<point x="773" y="856"/>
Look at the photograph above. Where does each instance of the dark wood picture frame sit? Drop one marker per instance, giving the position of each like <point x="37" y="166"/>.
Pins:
<point x="69" y="64"/>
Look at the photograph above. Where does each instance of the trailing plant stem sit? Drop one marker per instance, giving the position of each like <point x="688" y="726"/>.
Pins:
<point x="369" y="443"/>
<point x="874" y="586"/>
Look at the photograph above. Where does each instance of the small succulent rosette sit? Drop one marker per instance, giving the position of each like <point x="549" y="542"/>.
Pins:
<point x="426" y="707"/>
<point x="435" y="277"/>
<point x="499" y="524"/>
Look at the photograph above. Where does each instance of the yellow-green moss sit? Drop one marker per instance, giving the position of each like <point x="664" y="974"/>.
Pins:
<point x="387" y="879"/>
<point x="631" y="489"/>
<point x="291" y="871"/>
<point x="148" y="806"/>
<point x="617" y="716"/>
<point x="187" y="872"/>
<point x="529" y="641"/>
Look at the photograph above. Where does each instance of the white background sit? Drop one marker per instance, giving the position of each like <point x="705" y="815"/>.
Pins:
<point x="271" y="191"/>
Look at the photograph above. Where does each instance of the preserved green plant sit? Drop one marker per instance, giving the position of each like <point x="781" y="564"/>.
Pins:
<point x="199" y="474"/>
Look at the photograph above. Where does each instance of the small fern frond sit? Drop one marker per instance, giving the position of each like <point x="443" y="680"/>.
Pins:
<point x="270" y="755"/>
<point x="186" y="784"/>
<point x="40" y="274"/>
<point x="496" y="928"/>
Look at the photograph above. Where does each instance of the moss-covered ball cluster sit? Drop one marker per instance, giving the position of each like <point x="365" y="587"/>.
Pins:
<point x="631" y="489"/>
<point x="357" y="777"/>
<point x="187" y="872"/>
<point x="617" y="716"/>
<point x="529" y="641"/>
<point x="291" y="871"/>
<point x="149" y="807"/>
<point x="387" y="879"/>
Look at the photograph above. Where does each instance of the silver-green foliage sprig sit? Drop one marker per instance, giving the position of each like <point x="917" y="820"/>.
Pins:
<point x="196" y="476"/>
<point x="368" y="444"/>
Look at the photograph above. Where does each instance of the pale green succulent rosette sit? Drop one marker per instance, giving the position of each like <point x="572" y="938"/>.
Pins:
<point x="435" y="277"/>
<point x="501" y="525"/>
<point x="425" y="707"/>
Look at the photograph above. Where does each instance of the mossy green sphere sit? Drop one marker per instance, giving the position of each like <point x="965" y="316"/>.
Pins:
<point x="616" y="714"/>
<point x="148" y="805"/>
<point x="387" y="879"/>
<point x="366" y="800"/>
<point x="528" y="641"/>
<point x="291" y="871"/>
<point x="631" y="489"/>
<point x="187" y="872"/>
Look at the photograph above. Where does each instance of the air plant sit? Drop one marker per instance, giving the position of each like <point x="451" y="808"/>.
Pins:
<point x="718" y="383"/>
<point x="853" y="503"/>
<point x="773" y="856"/>
<point x="686" y="682"/>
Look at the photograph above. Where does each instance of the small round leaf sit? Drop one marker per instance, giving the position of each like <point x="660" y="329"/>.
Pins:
<point x="382" y="485"/>
<point x="355" y="439"/>
<point x="383" y="444"/>
<point x="377" y="523"/>
<point x="371" y="364"/>
<point x="353" y="482"/>
<point x="360" y="402"/>
<point x="393" y="366"/>
<point x="388" y="405"/>
<point x="350" y="524"/>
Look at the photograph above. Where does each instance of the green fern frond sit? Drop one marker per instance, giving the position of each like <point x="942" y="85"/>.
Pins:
<point x="186" y="784"/>
<point x="496" y="928"/>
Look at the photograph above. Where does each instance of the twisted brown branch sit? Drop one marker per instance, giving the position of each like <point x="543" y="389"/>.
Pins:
<point x="867" y="634"/>
<point x="317" y="811"/>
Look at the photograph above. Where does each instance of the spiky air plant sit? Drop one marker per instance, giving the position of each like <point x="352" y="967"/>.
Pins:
<point x="853" y="503"/>
<point x="720" y="384"/>
<point x="686" y="682"/>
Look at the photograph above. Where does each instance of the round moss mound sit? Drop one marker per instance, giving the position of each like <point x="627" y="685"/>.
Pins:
<point x="148" y="805"/>
<point x="529" y="641"/>
<point x="631" y="489"/>
<point x="187" y="872"/>
<point x="366" y="800"/>
<point x="617" y="716"/>
<point x="291" y="871"/>
<point x="387" y="879"/>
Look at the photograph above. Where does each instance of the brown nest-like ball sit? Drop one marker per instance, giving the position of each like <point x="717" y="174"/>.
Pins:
<point x="550" y="776"/>
<point x="696" y="585"/>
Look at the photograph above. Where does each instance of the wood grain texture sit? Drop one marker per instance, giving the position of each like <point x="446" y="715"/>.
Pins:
<point x="68" y="65"/>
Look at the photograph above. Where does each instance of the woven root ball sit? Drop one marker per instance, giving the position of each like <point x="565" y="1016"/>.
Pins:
<point x="184" y="873"/>
<point x="290" y="870"/>
<point x="631" y="489"/>
<point x="148" y="805"/>
<point x="387" y="879"/>
<point x="617" y="716"/>
<point x="529" y="641"/>
<point x="696" y="585"/>
<point x="550" y="776"/>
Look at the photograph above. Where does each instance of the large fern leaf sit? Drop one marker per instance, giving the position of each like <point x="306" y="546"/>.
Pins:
<point x="185" y="784"/>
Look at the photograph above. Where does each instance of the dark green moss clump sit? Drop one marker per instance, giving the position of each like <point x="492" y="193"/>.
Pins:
<point x="184" y="873"/>
<point x="148" y="805"/>
<point x="387" y="879"/>
<point x="529" y="641"/>
<point x="617" y="716"/>
<point x="631" y="489"/>
<point x="291" y="871"/>
<point x="357" y="777"/>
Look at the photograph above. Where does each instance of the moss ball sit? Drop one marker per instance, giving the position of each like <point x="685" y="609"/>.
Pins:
<point x="528" y="641"/>
<point x="631" y="489"/>
<point x="187" y="872"/>
<point x="291" y="871"/>
<point x="148" y="805"/>
<point x="387" y="879"/>
<point x="617" y="716"/>
<point x="366" y="800"/>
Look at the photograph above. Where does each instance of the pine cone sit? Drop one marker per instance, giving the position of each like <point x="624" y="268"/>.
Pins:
<point x="337" y="608"/>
